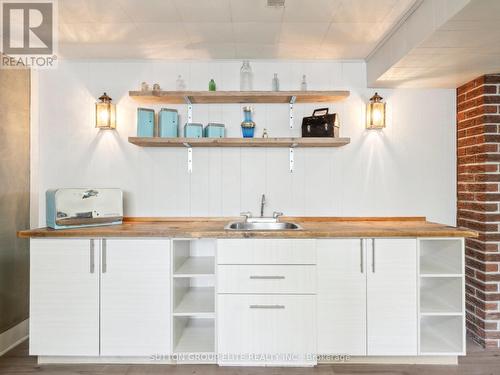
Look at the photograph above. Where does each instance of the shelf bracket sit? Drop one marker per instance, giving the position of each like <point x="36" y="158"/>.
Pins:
<point x="291" y="156"/>
<point x="292" y="102"/>
<point x="189" y="157"/>
<point x="190" y="108"/>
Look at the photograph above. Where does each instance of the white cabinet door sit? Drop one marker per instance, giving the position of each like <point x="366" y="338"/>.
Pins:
<point x="341" y="296"/>
<point x="135" y="297"/>
<point x="266" y="329"/>
<point x="64" y="297"/>
<point x="392" y="297"/>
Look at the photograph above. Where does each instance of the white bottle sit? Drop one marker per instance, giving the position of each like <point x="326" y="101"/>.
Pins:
<point x="276" y="82"/>
<point x="303" y="84"/>
<point x="180" y="85"/>
<point x="246" y="77"/>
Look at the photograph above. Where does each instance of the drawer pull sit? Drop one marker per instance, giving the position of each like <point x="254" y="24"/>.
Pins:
<point x="254" y="277"/>
<point x="276" y="307"/>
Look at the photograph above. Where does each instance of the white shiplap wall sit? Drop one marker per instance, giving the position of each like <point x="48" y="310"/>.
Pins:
<point x="407" y="169"/>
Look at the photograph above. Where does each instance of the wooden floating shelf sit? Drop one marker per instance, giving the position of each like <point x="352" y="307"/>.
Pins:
<point x="228" y="97"/>
<point x="239" y="142"/>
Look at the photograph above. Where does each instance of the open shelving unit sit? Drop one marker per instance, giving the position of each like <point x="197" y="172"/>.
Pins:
<point x="238" y="97"/>
<point x="193" y="296"/>
<point x="441" y="296"/>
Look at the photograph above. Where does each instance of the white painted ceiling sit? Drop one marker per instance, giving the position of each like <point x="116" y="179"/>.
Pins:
<point x="224" y="29"/>
<point x="464" y="47"/>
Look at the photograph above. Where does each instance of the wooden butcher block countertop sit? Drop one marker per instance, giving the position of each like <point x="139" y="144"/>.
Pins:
<point x="312" y="227"/>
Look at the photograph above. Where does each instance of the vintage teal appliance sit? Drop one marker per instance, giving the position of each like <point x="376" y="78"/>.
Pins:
<point x="168" y="124"/>
<point x="214" y="130"/>
<point x="75" y="208"/>
<point x="193" y="130"/>
<point x="145" y="122"/>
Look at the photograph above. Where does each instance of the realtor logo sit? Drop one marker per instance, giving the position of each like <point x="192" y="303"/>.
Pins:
<point x="28" y="33"/>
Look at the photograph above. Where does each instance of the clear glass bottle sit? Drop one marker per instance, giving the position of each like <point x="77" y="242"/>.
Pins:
<point x="180" y="85"/>
<point x="276" y="82"/>
<point x="246" y="76"/>
<point x="303" y="84"/>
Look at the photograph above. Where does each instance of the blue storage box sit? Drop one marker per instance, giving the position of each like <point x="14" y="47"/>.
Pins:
<point x="193" y="130"/>
<point x="145" y="122"/>
<point x="214" y="130"/>
<point x="168" y="125"/>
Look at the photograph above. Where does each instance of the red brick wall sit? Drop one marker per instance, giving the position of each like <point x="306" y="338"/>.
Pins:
<point x="478" y="194"/>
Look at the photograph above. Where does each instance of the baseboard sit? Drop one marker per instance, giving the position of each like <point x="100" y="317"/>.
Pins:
<point x="43" y="360"/>
<point x="14" y="336"/>
<point x="398" y="360"/>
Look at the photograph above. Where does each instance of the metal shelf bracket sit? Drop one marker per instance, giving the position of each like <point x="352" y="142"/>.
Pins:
<point x="189" y="157"/>
<point x="292" y="102"/>
<point x="190" y="108"/>
<point x="291" y="158"/>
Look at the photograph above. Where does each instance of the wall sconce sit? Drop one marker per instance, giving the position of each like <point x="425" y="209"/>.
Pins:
<point x="375" y="113"/>
<point x="105" y="113"/>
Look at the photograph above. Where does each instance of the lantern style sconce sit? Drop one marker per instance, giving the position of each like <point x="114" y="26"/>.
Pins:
<point x="105" y="113"/>
<point x="375" y="113"/>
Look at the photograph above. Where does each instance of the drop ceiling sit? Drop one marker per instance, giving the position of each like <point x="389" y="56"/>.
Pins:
<point x="224" y="29"/>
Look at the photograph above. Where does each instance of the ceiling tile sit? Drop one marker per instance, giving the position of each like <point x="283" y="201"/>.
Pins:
<point x="74" y="11"/>
<point x="204" y="10"/>
<point x="167" y="33"/>
<point x="110" y="11"/>
<point x="208" y="51"/>
<point x="369" y="11"/>
<point x="303" y="33"/>
<point x="310" y="11"/>
<point x="356" y="32"/>
<point x="255" y="51"/>
<point x="256" y="32"/>
<point x="217" y="32"/>
<point x="339" y="51"/>
<point x="89" y="33"/>
<point x="296" y="51"/>
<point x="151" y="11"/>
<point x="254" y="11"/>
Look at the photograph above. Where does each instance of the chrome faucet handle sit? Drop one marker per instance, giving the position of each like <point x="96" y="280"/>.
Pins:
<point x="277" y="214"/>
<point x="246" y="214"/>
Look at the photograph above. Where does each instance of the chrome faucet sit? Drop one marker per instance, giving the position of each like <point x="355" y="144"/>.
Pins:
<point x="262" y="203"/>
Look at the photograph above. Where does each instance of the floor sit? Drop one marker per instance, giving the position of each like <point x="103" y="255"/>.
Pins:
<point x="477" y="362"/>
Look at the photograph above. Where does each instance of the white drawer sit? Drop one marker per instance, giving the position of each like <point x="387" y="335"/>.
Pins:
<point x="262" y="251"/>
<point x="266" y="279"/>
<point x="273" y="324"/>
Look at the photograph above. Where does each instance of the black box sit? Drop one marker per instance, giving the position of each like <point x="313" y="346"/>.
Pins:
<point x="320" y="124"/>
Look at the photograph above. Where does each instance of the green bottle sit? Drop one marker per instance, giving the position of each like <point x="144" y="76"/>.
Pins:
<point x="211" y="85"/>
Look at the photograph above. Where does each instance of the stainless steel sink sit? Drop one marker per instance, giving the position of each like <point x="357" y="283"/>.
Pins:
<point x="249" y="226"/>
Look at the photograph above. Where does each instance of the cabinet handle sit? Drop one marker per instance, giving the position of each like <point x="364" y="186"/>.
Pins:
<point x="361" y="255"/>
<point x="104" y="256"/>
<point x="276" y="307"/>
<point x="255" y="277"/>
<point x="92" y="256"/>
<point x="373" y="255"/>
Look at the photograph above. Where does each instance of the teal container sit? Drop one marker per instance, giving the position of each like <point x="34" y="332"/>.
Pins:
<point x="214" y="130"/>
<point x="193" y="130"/>
<point x="145" y="122"/>
<point x="168" y="124"/>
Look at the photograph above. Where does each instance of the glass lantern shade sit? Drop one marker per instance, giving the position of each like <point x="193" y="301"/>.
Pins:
<point x="105" y="113"/>
<point x="375" y="113"/>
